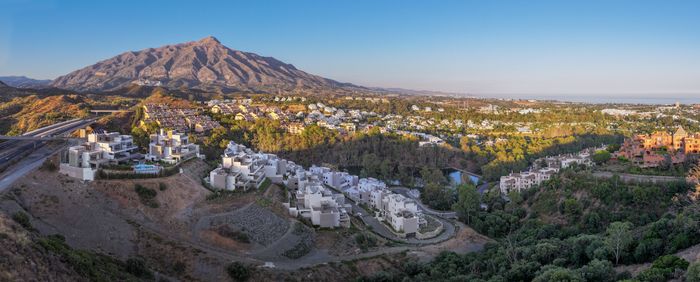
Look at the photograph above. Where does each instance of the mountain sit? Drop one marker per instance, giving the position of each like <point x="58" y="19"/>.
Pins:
<point x="204" y="64"/>
<point x="24" y="82"/>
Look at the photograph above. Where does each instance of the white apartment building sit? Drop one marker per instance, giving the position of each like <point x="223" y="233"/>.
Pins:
<point x="83" y="161"/>
<point x="361" y="192"/>
<point x="114" y="146"/>
<point x="171" y="147"/>
<point x="527" y="179"/>
<point x="320" y="205"/>
<point x="241" y="168"/>
<point x="398" y="211"/>
<point x="401" y="213"/>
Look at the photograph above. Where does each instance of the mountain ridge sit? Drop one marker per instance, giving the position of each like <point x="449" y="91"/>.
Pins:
<point x="203" y="64"/>
<point x="24" y="82"/>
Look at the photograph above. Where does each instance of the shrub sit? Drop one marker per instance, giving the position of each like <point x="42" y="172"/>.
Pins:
<point x="365" y="241"/>
<point x="146" y="195"/>
<point x="22" y="219"/>
<point x="238" y="271"/>
<point x="137" y="267"/>
<point x="49" y="165"/>
<point x="162" y="186"/>
<point x="93" y="266"/>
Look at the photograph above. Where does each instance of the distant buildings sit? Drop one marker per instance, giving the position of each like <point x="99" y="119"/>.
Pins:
<point x="527" y="179"/>
<point x="171" y="147"/>
<point x="652" y="150"/>
<point x="177" y="119"/>
<point x="618" y="112"/>
<point x="83" y="161"/>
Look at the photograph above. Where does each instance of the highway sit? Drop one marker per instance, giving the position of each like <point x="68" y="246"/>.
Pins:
<point x="18" y="157"/>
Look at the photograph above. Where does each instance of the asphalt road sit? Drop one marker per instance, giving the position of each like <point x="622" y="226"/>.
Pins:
<point x="639" y="177"/>
<point x="30" y="155"/>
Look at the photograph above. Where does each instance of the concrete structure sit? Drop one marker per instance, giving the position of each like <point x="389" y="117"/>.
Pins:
<point x="400" y="212"/>
<point x="171" y="147"/>
<point x="83" y="161"/>
<point x="323" y="207"/>
<point x="241" y="168"/>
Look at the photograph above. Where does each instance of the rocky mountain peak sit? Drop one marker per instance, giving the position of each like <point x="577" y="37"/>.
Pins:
<point x="203" y="64"/>
<point x="209" y="40"/>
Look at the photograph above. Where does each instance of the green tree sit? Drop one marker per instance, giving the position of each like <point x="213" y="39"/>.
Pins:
<point x="601" y="156"/>
<point x="559" y="274"/>
<point x="598" y="270"/>
<point x="468" y="201"/>
<point x="238" y="271"/>
<point x="437" y="196"/>
<point x="618" y="238"/>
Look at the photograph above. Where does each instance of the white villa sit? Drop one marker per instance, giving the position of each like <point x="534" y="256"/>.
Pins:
<point x="83" y="161"/>
<point x="242" y="168"/>
<point x="318" y="203"/>
<point x="401" y="213"/>
<point x="171" y="147"/>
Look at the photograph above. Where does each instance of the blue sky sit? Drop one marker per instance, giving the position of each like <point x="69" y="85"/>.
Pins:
<point x="490" y="47"/>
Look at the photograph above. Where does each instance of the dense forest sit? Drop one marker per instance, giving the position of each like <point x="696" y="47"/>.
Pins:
<point x="574" y="227"/>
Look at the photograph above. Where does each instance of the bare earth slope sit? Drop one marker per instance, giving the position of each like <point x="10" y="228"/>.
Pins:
<point x="198" y="64"/>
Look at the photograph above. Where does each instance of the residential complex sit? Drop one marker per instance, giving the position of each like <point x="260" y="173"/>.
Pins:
<point x="543" y="169"/>
<point x="171" y="147"/>
<point x="397" y="210"/>
<point x="313" y="190"/>
<point x="82" y="161"/>
<point x="652" y="150"/>
<point x="242" y="168"/>
<point x="177" y="119"/>
<point x="525" y="180"/>
<point x="316" y="202"/>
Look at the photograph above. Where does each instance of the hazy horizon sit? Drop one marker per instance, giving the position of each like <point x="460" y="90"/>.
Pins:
<point x="484" y="48"/>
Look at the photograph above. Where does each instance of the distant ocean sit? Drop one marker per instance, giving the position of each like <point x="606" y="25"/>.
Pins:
<point x="611" y="99"/>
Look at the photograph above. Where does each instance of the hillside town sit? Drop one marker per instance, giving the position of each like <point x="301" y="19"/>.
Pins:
<point x="177" y="119"/>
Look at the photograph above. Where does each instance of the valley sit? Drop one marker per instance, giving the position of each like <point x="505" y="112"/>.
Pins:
<point x="384" y="142"/>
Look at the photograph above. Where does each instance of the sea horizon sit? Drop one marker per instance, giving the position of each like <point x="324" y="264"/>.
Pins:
<point x="606" y="99"/>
